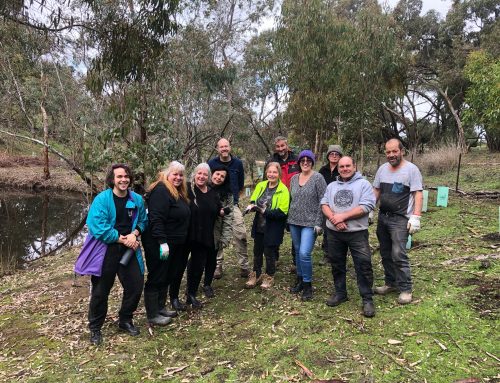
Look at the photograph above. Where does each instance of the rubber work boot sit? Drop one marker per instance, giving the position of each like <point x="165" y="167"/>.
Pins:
<point x="335" y="300"/>
<point x="167" y="313"/>
<point x="405" y="297"/>
<point x="307" y="293"/>
<point x="383" y="290"/>
<point x="368" y="309"/>
<point x="95" y="337"/>
<point x="162" y="300"/>
<point x="129" y="328"/>
<point x="267" y="282"/>
<point x="151" y="303"/>
<point x="298" y="287"/>
<point x="253" y="280"/>
<point x="218" y="272"/>
<point x="178" y="305"/>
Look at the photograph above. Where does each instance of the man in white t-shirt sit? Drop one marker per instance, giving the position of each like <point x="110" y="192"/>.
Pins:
<point x="398" y="188"/>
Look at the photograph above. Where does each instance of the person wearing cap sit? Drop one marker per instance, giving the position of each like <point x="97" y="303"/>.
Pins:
<point x="305" y="219"/>
<point x="330" y="172"/>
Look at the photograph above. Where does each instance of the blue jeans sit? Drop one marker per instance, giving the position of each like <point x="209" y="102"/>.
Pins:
<point x="392" y="233"/>
<point x="357" y="242"/>
<point x="303" y="239"/>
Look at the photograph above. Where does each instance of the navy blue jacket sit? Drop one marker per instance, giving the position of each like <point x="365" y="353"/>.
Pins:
<point x="236" y="174"/>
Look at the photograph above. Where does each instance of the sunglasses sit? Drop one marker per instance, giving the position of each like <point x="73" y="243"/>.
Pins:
<point x="305" y="160"/>
<point x="335" y="154"/>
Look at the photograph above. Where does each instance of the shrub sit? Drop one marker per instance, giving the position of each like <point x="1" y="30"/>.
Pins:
<point x="439" y="160"/>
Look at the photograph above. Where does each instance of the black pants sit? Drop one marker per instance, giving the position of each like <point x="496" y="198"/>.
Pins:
<point x="176" y="272"/>
<point x="259" y="252"/>
<point x="131" y="280"/>
<point x="196" y="265"/>
<point x="210" y="266"/>
<point x="357" y="242"/>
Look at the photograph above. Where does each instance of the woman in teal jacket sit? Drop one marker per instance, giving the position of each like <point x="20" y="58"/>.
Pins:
<point x="269" y="201"/>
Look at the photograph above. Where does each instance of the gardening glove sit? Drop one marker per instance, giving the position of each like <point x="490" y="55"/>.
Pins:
<point x="318" y="230"/>
<point x="370" y="217"/>
<point x="164" y="251"/>
<point x="413" y="224"/>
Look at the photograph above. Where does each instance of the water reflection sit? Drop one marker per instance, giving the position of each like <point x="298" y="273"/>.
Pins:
<point x="34" y="224"/>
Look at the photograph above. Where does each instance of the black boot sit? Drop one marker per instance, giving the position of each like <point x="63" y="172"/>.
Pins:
<point x="162" y="300"/>
<point x="191" y="300"/>
<point x="178" y="305"/>
<point x="307" y="293"/>
<point x="298" y="287"/>
<point x="151" y="303"/>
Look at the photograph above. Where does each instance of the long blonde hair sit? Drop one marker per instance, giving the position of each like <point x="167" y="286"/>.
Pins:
<point x="181" y="192"/>
<point x="205" y="166"/>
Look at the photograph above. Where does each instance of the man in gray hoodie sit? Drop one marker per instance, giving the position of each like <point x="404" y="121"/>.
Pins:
<point x="346" y="205"/>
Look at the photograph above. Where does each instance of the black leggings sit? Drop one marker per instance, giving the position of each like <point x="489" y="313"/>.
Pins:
<point x="259" y="251"/>
<point x="210" y="267"/>
<point x="196" y="265"/>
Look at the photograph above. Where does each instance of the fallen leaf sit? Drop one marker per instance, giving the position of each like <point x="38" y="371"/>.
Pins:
<point x="394" y="341"/>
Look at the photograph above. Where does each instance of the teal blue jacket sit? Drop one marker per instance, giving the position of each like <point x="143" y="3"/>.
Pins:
<point x="102" y="218"/>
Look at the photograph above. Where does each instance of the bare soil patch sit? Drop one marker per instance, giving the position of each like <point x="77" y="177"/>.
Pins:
<point x="485" y="298"/>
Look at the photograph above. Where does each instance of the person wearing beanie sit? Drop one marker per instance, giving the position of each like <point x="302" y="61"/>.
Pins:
<point x="330" y="172"/>
<point x="305" y="219"/>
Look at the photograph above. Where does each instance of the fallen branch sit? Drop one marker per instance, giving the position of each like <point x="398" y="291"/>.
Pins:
<point x="480" y="257"/>
<point x="398" y="362"/>
<point x="305" y="370"/>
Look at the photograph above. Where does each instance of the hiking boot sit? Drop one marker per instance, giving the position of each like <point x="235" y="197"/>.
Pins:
<point x="307" y="293"/>
<point x="368" y="309"/>
<point x="336" y="300"/>
<point x="267" y="282"/>
<point x="159" y="320"/>
<point x="244" y="273"/>
<point x="95" y="337"/>
<point x="405" y="297"/>
<point x="208" y="291"/>
<point x="218" y="272"/>
<point x="253" y="280"/>
<point x="383" y="290"/>
<point x="298" y="287"/>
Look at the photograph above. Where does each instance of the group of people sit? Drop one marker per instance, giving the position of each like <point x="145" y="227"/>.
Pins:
<point x="188" y="224"/>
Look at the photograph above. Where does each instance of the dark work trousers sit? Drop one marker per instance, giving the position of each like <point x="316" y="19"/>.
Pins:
<point x="176" y="271"/>
<point x="196" y="265"/>
<point x="259" y="252"/>
<point x="157" y="268"/>
<point x="130" y="278"/>
<point x="210" y="266"/>
<point x="324" y="244"/>
<point x="357" y="242"/>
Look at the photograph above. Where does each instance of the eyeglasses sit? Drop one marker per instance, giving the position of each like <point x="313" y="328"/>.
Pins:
<point x="305" y="160"/>
<point x="335" y="154"/>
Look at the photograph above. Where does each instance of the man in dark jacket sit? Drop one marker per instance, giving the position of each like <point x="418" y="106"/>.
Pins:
<point x="237" y="179"/>
<point x="330" y="172"/>
<point x="286" y="158"/>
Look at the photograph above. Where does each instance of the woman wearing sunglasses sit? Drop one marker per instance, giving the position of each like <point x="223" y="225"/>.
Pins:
<point x="305" y="218"/>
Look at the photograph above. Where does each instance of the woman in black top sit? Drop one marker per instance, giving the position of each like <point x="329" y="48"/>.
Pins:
<point x="205" y="208"/>
<point x="165" y="240"/>
<point x="220" y="183"/>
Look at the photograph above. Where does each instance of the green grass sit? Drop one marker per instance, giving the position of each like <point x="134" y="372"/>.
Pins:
<point x="450" y="331"/>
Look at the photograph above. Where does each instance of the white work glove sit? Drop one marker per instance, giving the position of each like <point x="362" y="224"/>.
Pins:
<point x="413" y="224"/>
<point x="370" y="217"/>
<point x="164" y="251"/>
<point x="249" y="209"/>
<point x="318" y="230"/>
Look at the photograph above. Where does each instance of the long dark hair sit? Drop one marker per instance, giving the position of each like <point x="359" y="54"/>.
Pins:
<point x="223" y="190"/>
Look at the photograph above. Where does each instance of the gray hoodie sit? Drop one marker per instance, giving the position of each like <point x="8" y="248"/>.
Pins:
<point x="343" y="196"/>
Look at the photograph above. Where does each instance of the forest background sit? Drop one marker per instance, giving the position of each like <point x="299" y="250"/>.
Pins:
<point x="149" y="81"/>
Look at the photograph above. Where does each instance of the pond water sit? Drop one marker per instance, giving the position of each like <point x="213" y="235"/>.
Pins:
<point x="34" y="224"/>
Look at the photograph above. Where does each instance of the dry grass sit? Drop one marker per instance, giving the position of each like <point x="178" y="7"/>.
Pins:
<point x="438" y="161"/>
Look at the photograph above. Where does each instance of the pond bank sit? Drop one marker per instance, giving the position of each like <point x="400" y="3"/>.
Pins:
<point x="24" y="172"/>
